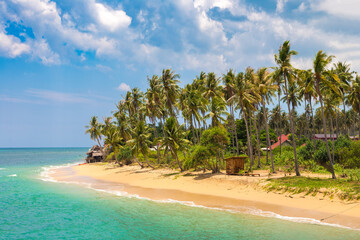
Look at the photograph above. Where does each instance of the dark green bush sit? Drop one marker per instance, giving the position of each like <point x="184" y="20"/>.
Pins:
<point x="125" y="155"/>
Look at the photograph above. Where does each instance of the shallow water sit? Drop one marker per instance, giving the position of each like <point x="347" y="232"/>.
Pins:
<point x="35" y="209"/>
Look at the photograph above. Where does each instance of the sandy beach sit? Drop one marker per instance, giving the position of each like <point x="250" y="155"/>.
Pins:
<point x="235" y="193"/>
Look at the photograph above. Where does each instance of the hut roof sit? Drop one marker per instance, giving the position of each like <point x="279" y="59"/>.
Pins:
<point x="97" y="154"/>
<point x="322" y="136"/>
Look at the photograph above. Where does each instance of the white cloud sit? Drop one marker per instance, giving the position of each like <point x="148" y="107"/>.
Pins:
<point x="111" y="19"/>
<point x="11" y="46"/>
<point x="124" y="87"/>
<point x="341" y="8"/>
<point x="280" y="4"/>
<point x="103" y="68"/>
<point x="55" y="96"/>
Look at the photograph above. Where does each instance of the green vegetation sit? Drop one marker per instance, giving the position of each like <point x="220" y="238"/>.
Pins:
<point x="342" y="188"/>
<point x="147" y="127"/>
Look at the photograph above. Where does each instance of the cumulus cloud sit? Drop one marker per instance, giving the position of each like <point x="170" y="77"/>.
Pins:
<point x="124" y="87"/>
<point x="11" y="46"/>
<point x="111" y="19"/>
<point x="340" y="8"/>
<point x="196" y="36"/>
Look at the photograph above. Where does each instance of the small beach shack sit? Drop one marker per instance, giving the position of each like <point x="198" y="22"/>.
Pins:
<point x="234" y="164"/>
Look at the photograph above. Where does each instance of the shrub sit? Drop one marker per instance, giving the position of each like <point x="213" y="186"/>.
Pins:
<point x="307" y="151"/>
<point x="342" y="142"/>
<point x="198" y="156"/>
<point x="125" y="155"/>
<point x="110" y="157"/>
<point x="321" y="155"/>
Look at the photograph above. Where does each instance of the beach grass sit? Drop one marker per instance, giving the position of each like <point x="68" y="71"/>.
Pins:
<point x="341" y="188"/>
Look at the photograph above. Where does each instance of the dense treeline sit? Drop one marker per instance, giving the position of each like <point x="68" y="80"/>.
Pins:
<point x="210" y="105"/>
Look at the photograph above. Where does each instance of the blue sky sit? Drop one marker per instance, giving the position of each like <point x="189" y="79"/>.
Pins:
<point x="63" y="61"/>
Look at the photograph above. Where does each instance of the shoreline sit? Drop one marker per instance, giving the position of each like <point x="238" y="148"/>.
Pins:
<point x="220" y="191"/>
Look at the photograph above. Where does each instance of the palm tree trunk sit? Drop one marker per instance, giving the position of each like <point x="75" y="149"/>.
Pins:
<point x="141" y="165"/>
<point x="248" y="139"/>
<point x="292" y="128"/>
<point x="116" y="157"/>
<point x="280" y="132"/>
<point x="251" y="138"/>
<point x="178" y="162"/>
<point x="232" y="131"/>
<point x="157" y="147"/>
<point x="258" y="142"/>
<point x="313" y="124"/>
<point x="332" y="138"/>
<point x="193" y="132"/>
<point x="235" y="130"/>
<point x="268" y="137"/>
<point x="147" y="161"/>
<point x="196" y="130"/>
<point x="325" y="133"/>
<point x="346" y="129"/>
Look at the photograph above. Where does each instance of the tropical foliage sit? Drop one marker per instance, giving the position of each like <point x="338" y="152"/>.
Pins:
<point x="239" y="113"/>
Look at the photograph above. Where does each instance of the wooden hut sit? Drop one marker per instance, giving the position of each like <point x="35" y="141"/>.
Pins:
<point x="234" y="165"/>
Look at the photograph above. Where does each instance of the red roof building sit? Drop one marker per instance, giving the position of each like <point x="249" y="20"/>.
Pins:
<point x="284" y="141"/>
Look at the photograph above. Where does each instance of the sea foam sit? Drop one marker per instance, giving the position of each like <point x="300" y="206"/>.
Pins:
<point x="12" y="175"/>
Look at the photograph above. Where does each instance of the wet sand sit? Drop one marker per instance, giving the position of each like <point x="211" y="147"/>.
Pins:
<point x="233" y="193"/>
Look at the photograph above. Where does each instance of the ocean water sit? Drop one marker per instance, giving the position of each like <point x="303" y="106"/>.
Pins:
<point x="31" y="208"/>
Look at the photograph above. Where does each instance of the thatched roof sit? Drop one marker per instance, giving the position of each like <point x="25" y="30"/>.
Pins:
<point x="97" y="154"/>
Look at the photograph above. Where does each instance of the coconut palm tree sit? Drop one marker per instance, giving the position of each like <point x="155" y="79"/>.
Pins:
<point x="244" y="98"/>
<point x="122" y="120"/>
<point x="286" y="70"/>
<point x="342" y="70"/>
<point x="229" y="91"/>
<point x="324" y="77"/>
<point x="140" y="142"/>
<point x="113" y="139"/>
<point x="174" y="139"/>
<point x="308" y="92"/>
<point x="266" y="89"/>
<point x="170" y="90"/>
<point x="216" y="111"/>
<point x="354" y="96"/>
<point x="153" y="106"/>
<point x="212" y="87"/>
<point x="94" y="129"/>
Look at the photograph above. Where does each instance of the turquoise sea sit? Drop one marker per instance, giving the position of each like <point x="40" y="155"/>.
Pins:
<point x="31" y="208"/>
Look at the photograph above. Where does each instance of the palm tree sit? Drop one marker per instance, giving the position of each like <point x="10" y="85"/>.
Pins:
<point x="170" y="90"/>
<point x="174" y="139"/>
<point x="216" y="111"/>
<point x="153" y="106"/>
<point x="113" y="139"/>
<point x="244" y="98"/>
<point x="342" y="70"/>
<point x="122" y="120"/>
<point x="212" y="86"/>
<point x="266" y="90"/>
<point x="286" y="70"/>
<point x="140" y="142"/>
<point x="324" y="77"/>
<point x="354" y="96"/>
<point x="306" y="82"/>
<point x="94" y="129"/>
<point x="229" y="91"/>
<point x="194" y="104"/>
<point x="331" y="101"/>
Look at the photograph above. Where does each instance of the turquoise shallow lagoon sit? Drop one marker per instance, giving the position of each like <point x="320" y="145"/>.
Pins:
<point x="31" y="208"/>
